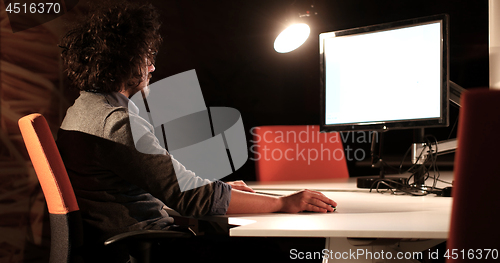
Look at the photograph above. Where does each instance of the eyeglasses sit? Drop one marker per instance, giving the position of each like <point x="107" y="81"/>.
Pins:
<point x="152" y="57"/>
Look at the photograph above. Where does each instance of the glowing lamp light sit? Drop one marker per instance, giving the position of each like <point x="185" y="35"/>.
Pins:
<point x="291" y="38"/>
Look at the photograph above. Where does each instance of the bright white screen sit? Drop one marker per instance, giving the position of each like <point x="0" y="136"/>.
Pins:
<point x="383" y="76"/>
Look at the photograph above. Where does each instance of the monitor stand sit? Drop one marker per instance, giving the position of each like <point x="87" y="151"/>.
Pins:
<point x="380" y="182"/>
<point x="419" y="169"/>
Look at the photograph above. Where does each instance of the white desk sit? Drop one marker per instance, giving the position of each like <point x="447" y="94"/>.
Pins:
<point x="360" y="214"/>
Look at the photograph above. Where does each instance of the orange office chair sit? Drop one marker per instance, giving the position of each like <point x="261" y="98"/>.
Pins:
<point x="64" y="214"/>
<point x="475" y="215"/>
<point x="297" y="152"/>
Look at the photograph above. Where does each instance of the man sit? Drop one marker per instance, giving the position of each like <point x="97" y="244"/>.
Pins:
<point x="109" y="58"/>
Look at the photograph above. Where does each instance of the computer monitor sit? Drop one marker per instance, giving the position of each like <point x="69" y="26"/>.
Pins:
<point x="385" y="76"/>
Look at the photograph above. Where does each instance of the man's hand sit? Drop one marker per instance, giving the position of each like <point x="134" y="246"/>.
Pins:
<point x="240" y="185"/>
<point x="307" y="200"/>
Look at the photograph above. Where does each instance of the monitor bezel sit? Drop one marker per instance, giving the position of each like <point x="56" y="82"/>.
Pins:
<point x="442" y="121"/>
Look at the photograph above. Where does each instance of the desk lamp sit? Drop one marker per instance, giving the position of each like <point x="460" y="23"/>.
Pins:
<point x="298" y="30"/>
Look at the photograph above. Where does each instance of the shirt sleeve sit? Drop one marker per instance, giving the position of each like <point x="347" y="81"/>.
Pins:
<point x="221" y="199"/>
<point x="159" y="173"/>
<point x="222" y="191"/>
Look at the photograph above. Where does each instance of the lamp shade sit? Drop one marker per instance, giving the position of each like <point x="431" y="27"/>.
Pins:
<point x="291" y="38"/>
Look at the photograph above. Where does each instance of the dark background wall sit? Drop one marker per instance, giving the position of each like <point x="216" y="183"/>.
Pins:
<point x="230" y="44"/>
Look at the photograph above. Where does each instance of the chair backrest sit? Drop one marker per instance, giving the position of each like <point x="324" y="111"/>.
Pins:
<point x="475" y="213"/>
<point x="297" y="152"/>
<point x="65" y="219"/>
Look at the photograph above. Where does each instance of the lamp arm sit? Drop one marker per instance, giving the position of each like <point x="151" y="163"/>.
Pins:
<point x="456" y="92"/>
<point x="420" y="151"/>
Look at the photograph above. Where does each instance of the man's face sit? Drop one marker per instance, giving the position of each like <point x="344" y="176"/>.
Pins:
<point x="144" y="85"/>
<point x="144" y="81"/>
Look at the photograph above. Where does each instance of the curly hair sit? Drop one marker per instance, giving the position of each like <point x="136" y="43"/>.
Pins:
<point x="111" y="49"/>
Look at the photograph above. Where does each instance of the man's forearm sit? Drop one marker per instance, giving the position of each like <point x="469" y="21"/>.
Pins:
<point x="246" y="202"/>
<point x="243" y="202"/>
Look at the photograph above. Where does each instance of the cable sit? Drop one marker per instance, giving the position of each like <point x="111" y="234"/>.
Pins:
<point x="404" y="157"/>
<point x="429" y="169"/>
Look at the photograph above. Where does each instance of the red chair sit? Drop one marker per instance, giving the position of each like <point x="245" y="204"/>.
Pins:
<point x="300" y="152"/>
<point x="475" y="215"/>
<point x="64" y="213"/>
